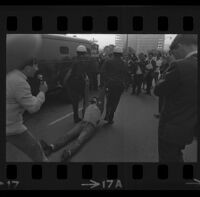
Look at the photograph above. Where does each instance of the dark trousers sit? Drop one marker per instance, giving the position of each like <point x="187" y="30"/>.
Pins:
<point x="169" y="152"/>
<point x="75" y="97"/>
<point x="149" y="79"/>
<point x="160" y="103"/>
<point x="113" y="94"/>
<point x="156" y="76"/>
<point x="137" y="83"/>
<point x="79" y="134"/>
<point x="75" y="104"/>
<point x="93" y="81"/>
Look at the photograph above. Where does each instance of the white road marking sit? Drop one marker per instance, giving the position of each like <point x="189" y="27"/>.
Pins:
<point x="62" y="118"/>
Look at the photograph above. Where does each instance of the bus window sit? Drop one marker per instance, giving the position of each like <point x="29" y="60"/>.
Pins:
<point x="64" y="50"/>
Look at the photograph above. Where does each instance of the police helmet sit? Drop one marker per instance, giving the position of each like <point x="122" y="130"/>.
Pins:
<point x="118" y="50"/>
<point x="81" y="48"/>
<point x="21" y="48"/>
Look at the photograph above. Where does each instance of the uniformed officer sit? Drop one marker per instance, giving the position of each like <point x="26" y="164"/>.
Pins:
<point x="76" y="78"/>
<point x="114" y="72"/>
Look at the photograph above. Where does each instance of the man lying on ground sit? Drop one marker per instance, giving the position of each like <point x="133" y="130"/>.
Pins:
<point x="81" y="132"/>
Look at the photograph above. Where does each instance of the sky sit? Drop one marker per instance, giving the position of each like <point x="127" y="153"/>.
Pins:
<point x="106" y="39"/>
<point x="103" y="39"/>
<point x="168" y="40"/>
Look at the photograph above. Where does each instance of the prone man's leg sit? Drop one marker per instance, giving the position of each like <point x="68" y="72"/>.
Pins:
<point x="70" y="135"/>
<point x="86" y="133"/>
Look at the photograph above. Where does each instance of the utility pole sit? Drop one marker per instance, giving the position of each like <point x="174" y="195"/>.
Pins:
<point x="136" y="43"/>
<point x="127" y="43"/>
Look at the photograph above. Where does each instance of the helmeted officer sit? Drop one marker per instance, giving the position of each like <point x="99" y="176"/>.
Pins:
<point x="76" y="79"/>
<point x="114" y="72"/>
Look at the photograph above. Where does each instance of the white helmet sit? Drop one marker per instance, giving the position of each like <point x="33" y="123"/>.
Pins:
<point x="21" y="48"/>
<point x="118" y="50"/>
<point x="81" y="48"/>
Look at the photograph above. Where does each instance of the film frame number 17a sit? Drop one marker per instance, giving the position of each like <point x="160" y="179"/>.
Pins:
<point x="104" y="99"/>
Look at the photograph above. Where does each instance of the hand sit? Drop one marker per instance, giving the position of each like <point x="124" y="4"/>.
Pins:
<point x="44" y="87"/>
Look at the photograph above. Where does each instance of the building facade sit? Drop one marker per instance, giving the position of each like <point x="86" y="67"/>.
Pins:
<point x="120" y="40"/>
<point x="141" y="42"/>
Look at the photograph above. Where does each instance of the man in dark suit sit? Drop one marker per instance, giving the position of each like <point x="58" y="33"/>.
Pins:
<point x="178" y="87"/>
<point x="149" y="72"/>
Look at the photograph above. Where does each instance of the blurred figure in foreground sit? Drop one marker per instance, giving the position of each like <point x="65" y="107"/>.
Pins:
<point x="178" y="122"/>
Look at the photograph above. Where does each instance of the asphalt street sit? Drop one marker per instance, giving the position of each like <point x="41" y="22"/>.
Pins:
<point x="132" y="137"/>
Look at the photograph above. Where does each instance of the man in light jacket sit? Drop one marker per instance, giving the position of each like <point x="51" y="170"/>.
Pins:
<point x="20" y="99"/>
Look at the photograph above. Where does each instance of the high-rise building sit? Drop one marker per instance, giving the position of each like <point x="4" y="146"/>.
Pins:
<point x="141" y="42"/>
<point x="120" y="40"/>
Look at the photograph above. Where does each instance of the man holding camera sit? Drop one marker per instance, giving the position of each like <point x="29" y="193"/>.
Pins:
<point x="19" y="98"/>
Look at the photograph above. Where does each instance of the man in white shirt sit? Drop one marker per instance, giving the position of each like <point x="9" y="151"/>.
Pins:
<point x="18" y="100"/>
<point x="82" y="131"/>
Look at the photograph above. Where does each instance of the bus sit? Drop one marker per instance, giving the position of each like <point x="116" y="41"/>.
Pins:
<point x="55" y="57"/>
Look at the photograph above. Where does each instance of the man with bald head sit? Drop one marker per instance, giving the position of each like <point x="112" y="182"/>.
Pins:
<point x="178" y="87"/>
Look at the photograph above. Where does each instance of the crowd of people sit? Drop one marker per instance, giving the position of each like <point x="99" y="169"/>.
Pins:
<point x="175" y="83"/>
<point x="143" y="69"/>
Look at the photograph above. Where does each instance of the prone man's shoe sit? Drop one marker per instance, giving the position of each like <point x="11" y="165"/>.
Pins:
<point x="77" y="120"/>
<point x="48" y="150"/>
<point x="157" y="116"/>
<point x="110" y="122"/>
<point x="65" y="155"/>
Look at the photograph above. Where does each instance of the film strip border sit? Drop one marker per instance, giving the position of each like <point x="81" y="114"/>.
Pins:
<point x="102" y="19"/>
<point x="100" y="176"/>
<point x="111" y="23"/>
<point x="90" y="19"/>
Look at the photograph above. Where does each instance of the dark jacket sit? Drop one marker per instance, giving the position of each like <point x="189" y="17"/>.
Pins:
<point x="142" y="65"/>
<point x="80" y="68"/>
<point x="163" y="67"/>
<point x="150" y="72"/>
<point x="134" y="66"/>
<point x="178" y="120"/>
<point x="114" y="71"/>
